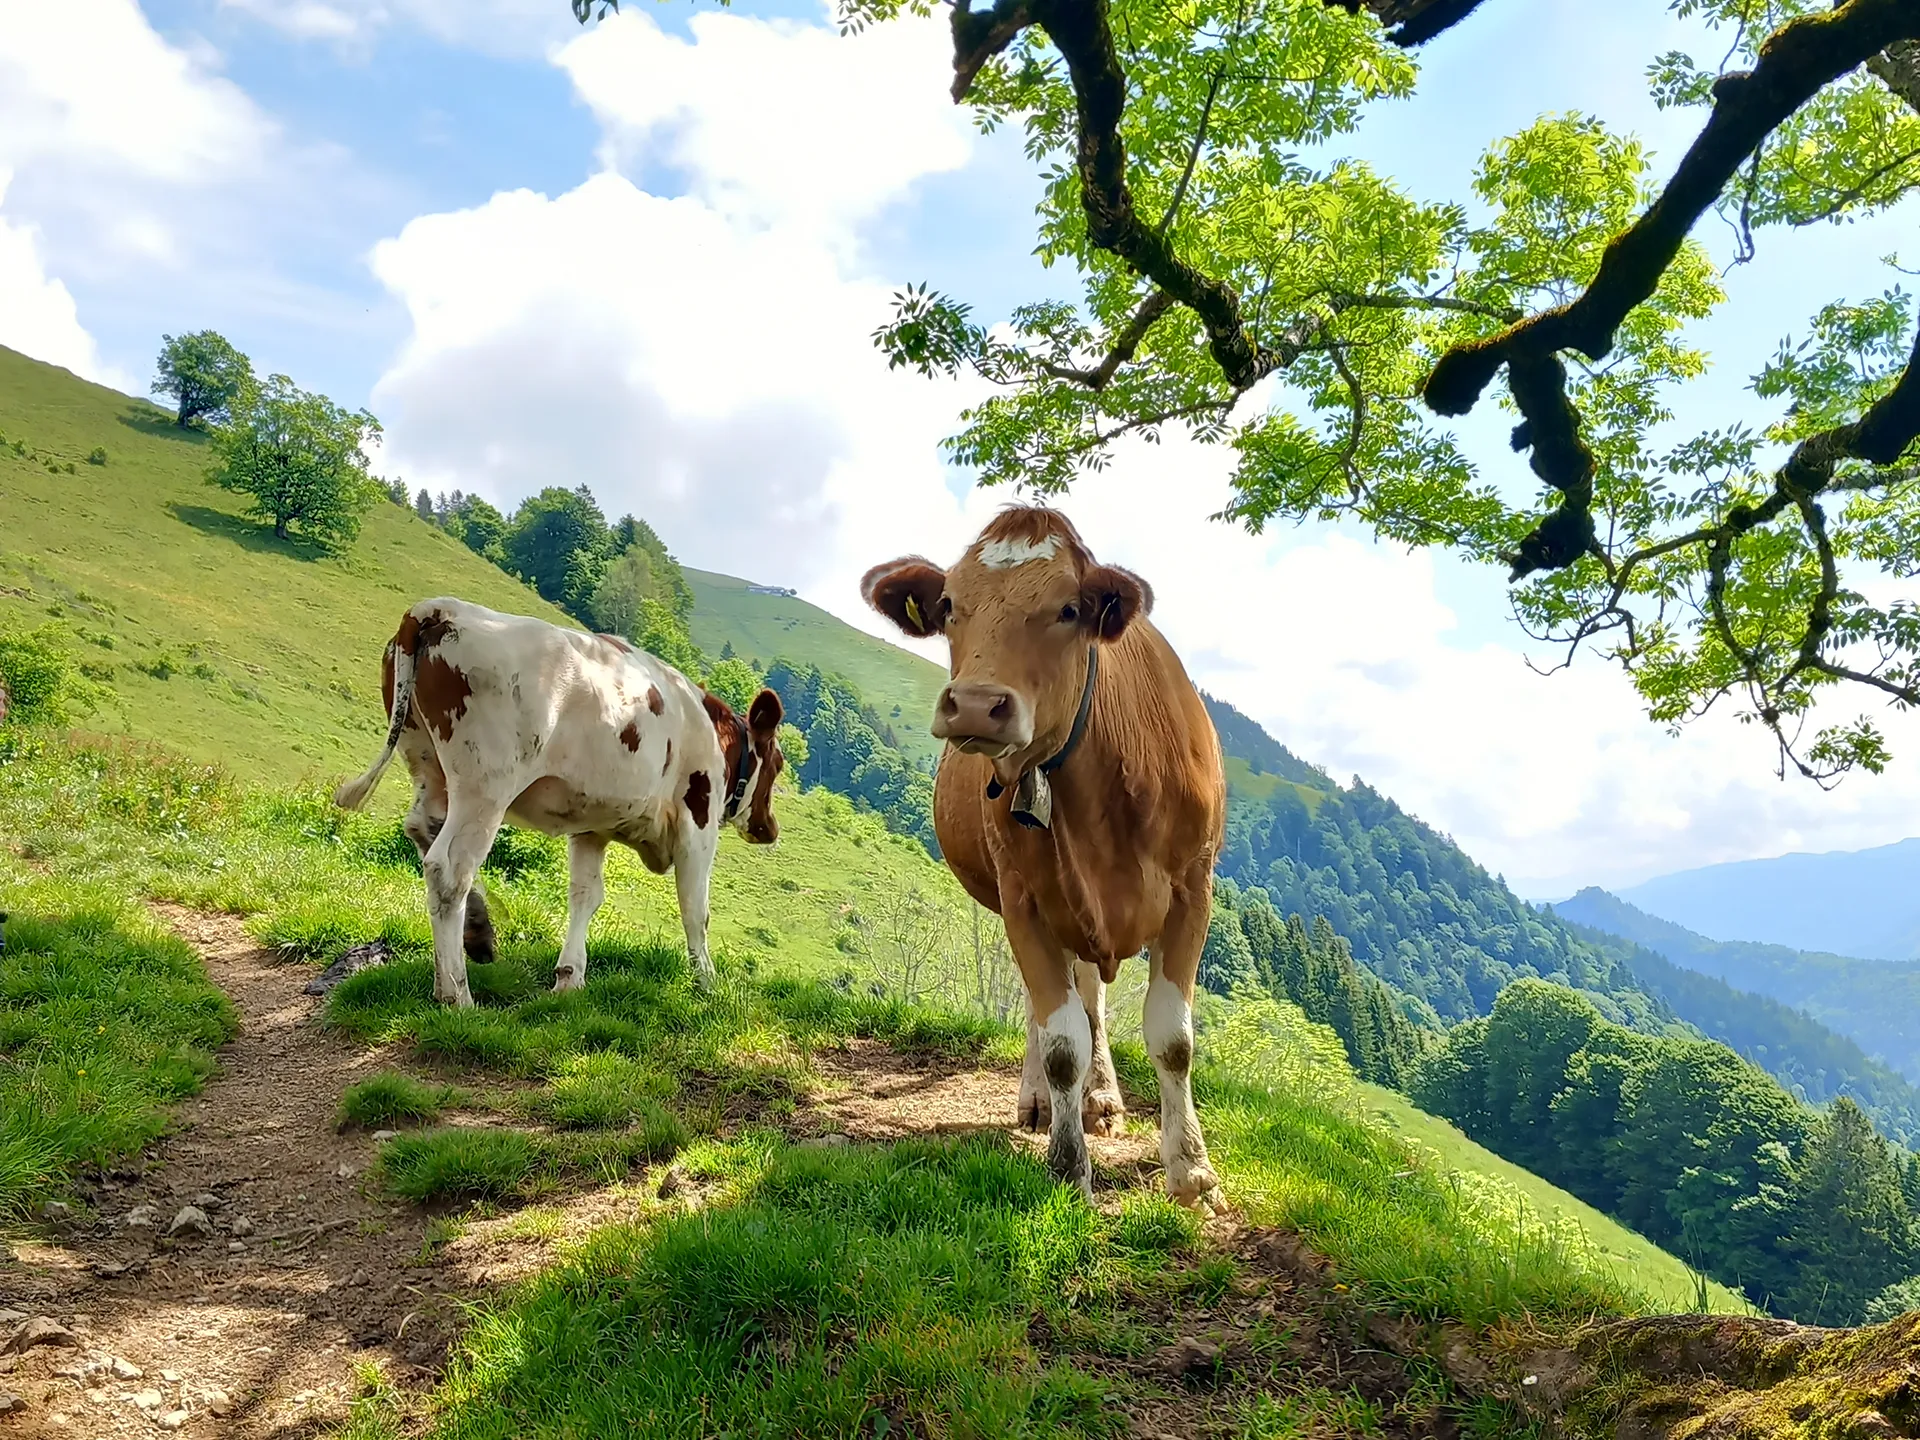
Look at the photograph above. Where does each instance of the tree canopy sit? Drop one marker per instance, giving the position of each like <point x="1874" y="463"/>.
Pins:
<point x="203" y="373"/>
<point x="1214" y="259"/>
<point x="300" y="457"/>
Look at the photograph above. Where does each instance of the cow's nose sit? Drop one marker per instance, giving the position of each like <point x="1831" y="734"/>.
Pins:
<point x="982" y="717"/>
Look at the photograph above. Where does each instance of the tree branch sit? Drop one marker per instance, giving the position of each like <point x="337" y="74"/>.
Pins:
<point x="1151" y="309"/>
<point x="978" y="37"/>
<point x="1418" y="21"/>
<point x="1795" y="63"/>
<point x="1899" y="67"/>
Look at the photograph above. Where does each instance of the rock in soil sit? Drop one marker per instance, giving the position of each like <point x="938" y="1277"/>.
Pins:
<point x="40" y="1331"/>
<point x="141" y="1217"/>
<point x="173" y="1420"/>
<point x="242" y="1226"/>
<point x="358" y="958"/>
<point x="217" y="1401"/>
<point x="55" y="1212"/>
<point x="10" y="1403"/>
<point x="126" y="1370"/>
<point x="191" y="1221"/>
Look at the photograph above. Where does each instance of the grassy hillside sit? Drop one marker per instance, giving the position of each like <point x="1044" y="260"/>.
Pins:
<point x="200" y="629"/>
<point x="901" y="686"/>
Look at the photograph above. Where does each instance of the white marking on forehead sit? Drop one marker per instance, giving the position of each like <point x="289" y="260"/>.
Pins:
<point x="1005" y="554"/>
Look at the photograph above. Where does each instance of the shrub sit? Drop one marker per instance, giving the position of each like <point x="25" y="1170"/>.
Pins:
<point x="37" y="684"/>
<point x="97" y="455"/>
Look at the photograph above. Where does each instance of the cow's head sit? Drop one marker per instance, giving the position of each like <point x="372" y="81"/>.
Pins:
<point x="1019" y="611"/>
<point x="754" y="762"/>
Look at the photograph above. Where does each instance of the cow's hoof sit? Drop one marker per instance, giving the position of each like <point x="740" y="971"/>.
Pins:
<point x="1199" y="1189"/>
<point x="459" y="1000"/>
<point x="1104" y="1113"/>
<point x="1036" y="1113"/>
<point x="565" y="977"/>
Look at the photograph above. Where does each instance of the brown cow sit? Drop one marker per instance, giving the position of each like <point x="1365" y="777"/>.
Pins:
<point x="1081" y="796"/>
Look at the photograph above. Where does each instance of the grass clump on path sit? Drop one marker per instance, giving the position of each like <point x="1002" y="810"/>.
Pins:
<point x="105" y="1017"/>
<point x="390" y="1099"/>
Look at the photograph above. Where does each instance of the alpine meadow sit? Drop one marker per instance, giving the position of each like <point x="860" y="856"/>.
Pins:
<point x="512" y="364"/>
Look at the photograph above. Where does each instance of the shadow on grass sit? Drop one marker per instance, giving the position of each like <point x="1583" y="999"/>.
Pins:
<point x="255" y="535"/>
<point x="151" y="420"/>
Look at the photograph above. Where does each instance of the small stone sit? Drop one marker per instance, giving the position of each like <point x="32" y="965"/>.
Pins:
<point x="380" y="1135"/>
<point x="218" y="1401"/>
<point x="97" y="1397"/>
<point x="141" y="1217"/>
<point x="54" y="1212"/>
<point x="40" y="1331"/>
<point x="10" y="1403"/>
<point x="236" y="1247"/>
<point x="147" y="1399"/>
<point x="207" y="1200"/>
<point x="126" y="1369"/>
<point x="242" y="1226"/>
<point x="346" y="1171"/>
<point x="173" y="1420"/>
<point x="191" y="1221"/>
<point x="825" y="1142"/>
<point x="108" y="1269"/>
<point x="11" y="1317"/>
<point x="172" y="1377"/>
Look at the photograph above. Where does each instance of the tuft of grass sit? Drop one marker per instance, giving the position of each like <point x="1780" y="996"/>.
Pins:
<point x="490" y="1164"/>
<point x="598" y="1091"/>
<point x="392" y="1099"/>
<point x="105" y="1017"/>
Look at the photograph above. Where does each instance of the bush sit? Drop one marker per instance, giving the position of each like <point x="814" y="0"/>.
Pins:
<point x="97" y="455"/>
<point x="37" y="684"/>
<point x="1900" y="1298"/>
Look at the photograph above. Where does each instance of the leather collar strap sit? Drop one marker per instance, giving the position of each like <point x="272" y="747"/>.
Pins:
<point x="995" y="789"/>
<point x="749" y="762"/>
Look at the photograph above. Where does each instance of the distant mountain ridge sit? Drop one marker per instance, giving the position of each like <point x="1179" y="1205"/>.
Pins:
<point x="1844" y="902"/>
<point x="1874" y="1002"/>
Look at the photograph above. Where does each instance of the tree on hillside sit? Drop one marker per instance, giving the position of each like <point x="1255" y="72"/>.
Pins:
<point x="557" y="541"/>
<point x="627" y="584"/>
<point x="1182" y="149"/>
<point x="300" y="457"/>
<point x="477" y="525"/>
<point x="203" y="373"/>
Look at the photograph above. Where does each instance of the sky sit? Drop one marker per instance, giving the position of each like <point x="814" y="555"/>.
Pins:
<point x="648" y="255"/>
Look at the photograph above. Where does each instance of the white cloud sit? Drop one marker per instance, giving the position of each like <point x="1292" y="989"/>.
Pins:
<point x="774" y="122"/>
<point x="37" y="315"/>
<point x="702" y="360"/>
<point x="95" y="85"/>
<point x="494" y="27"/>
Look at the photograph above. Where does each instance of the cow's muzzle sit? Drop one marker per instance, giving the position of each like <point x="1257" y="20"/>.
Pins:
<point x="983" y="719"/>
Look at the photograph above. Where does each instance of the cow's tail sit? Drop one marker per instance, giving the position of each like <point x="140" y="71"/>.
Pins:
<point x="355" y="793"/>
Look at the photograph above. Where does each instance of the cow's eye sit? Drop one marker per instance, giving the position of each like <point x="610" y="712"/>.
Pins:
<point x="1069" y="614"/>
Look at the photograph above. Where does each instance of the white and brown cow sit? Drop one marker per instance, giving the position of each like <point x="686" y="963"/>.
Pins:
<point x="503" y="717"/>
<point x="1081" y="795"/>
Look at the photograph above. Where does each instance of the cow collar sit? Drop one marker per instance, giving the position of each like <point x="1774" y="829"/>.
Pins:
<point x="1033" y="795"/>
<point x="749" y="762"/>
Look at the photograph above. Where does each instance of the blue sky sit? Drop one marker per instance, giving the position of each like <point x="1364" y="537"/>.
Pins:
<point x="648" y="255"/>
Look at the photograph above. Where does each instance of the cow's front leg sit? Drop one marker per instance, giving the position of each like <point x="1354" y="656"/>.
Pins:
<point x="586" y="888"/>
<point x="1036" y="1108"/>
<point x="450" y="865"/>
<point x="693" y="853"/>
<point x="1102" y="1110"/>
<point x="1173" y="962"/>
<point x="1065" y="1041"/>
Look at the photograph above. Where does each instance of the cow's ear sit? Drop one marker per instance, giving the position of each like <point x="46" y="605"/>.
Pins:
<point x="908" y="593"/>
<point x="1111" y="599"/>
<point x="764" y="715"/>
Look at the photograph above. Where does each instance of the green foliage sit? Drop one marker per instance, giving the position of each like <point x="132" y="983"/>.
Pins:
<point x="476" y="525"/>
<point x="663" y="634"/>
<point x="1694" y="566"/>
<point x="851" y="750"/>
<point x="735" y="682"/>
<point x="482" y="1164"/>
<point x="1900" y="1298"/>
<point x="104" y="1019"/>
<point x="203" y="373"/>
<point x="37" y="679"/>
<point x="558" y="542"/>
<point x="1810" y="1214"/>
<point x="300" y="457"/>
<point x="390" y="1098"/>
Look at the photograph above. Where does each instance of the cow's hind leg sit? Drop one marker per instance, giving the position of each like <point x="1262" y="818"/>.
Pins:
<point x="1036" y="1106"/>
<point x="693" y="852"/>
<point x="1102" y="1109"/>
<point x="586" y="888"/>
<point x="1065" y="1041"/>
<point x="1173" y="962"/>
<point x="423" y="825"/>
<point x="451" y="863"/>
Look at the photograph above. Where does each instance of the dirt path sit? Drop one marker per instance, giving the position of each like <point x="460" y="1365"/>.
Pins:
<point x="252" y="1328"/>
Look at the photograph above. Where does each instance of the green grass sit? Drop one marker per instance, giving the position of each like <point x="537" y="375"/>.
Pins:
<point x="766" y="627"/>
<point x="390" y="1099"/>
<point x="1667" y="1281"/>
<point x="104" y="1018"/>
<point x="270" y="649"/>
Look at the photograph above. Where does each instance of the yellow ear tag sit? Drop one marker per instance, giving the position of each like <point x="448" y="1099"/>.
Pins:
<point x="913" y="614"/>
